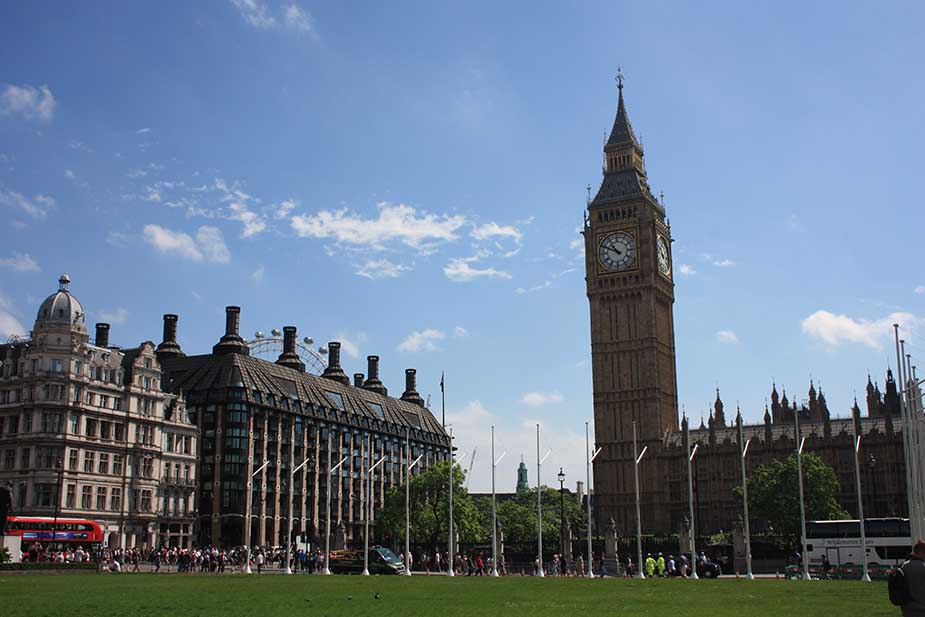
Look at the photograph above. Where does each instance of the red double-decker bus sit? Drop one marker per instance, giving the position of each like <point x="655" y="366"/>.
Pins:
<point x="55" y="534"/>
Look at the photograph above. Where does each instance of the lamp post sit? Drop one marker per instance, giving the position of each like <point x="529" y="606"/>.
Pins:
<point x="452" y="535"/>
<point x="494" y="511"/>
<point x="637" y="460"/>
<point x="591" y="457"/>
<point x="59" y="467"/>
<point x="408" y="501"/>
<point x="247" y="523"/>
<point x="562" y="539"/>
<point x="327" y="522"/>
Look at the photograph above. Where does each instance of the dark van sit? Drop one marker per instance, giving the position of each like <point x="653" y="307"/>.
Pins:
<point x="381" y="561"/>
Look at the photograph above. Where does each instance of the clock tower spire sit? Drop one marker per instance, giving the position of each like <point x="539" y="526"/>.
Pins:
<point x="630" y="292"/>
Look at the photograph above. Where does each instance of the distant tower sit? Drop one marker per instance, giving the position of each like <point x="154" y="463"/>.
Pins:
<point x="523" y="486"/>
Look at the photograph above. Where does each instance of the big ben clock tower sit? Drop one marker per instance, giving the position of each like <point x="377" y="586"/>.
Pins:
<point x="629" y="270"/>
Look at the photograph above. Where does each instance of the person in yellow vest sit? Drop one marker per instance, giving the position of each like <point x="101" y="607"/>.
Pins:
<point x="660" y="565"/>
<point x="650" y="566"/>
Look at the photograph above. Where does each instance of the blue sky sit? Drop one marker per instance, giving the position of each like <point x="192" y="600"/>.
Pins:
<point x="409" y="178"/>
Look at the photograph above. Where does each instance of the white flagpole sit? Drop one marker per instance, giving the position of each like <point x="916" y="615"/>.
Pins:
<point x="591" y="457"/>
<point x="247" y="528"/>
<point x="494" y="513"/>
<point x="799" y="445"/>
<point x="743" y="449"/>
<point x="327" y="535"/>
<point x="690" y="503"/>
<point x="369" y="512"/>
<point x="539" y="506"/>
<point x="857" y="480"/>
<point x="907" y="442"/>
<point x="637" y="459"/>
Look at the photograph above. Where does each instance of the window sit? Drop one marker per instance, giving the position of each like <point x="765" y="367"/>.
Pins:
<point x="147" y="362"/>
<point x="336" y="398"/>
<point x="77" y="367"/>
<point x="105" y="427"/>
<point x="43" y="495"/>
<point x="47" y="458"/>
<point x="75" y="394"/>
<point x="168" y="442"/>
<point x="147" y="383"/>
<point x="101" y="497"/>
<point x="115" y="499"/>
<point x="118" y="431"/>
<point x="86" y="497"/>
<point x="89" y="458"/>
<point x="9" y="459"/>
<point x="51" y="422"/>
<point x="377" y="408"/>
<point x="147" y="467"/>
<point x="25" y="458"/>
<point x="75" y="424"/>
<point x="117" y="464"/>
<point x="117" y="403"/>
<point x="72" y="459"/>
<point x="145" y="501"/>
<point x="14" y="425"/>
<point x="186" y="473"/>
<point x="187" y="444"/>
<point x="104" y="401"/>
<point x="91" y="427"/>
<point x="104" y="464"/>
<point x="71" y="498"/>
<point x="27" y="422"/>
<point x="57" y="366"/>
<point x="144" y="407"/>
<point x="90" y="398"/>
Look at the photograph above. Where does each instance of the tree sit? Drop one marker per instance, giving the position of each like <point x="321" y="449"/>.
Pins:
<point x="429" y="497"/>
<point x="517" y="517"/>
<point x="773" y="493"/>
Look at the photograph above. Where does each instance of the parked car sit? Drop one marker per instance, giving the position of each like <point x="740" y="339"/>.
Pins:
<point x="381" y="561"/>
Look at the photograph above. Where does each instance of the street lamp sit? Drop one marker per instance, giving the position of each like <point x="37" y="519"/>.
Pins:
<point x="562" y="538"/>
<point x="369" y="506"/>
<point x="494" y="510"/>
<point x="327" y="522"/>
<point x="291" y="508"/>
<point x="247" y="522"/>
<point x="59" y="466"/>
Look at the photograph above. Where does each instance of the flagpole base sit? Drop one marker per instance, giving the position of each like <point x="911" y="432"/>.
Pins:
<point x="288" y="570"/>
<point x="694" y="576"/>
<point x="866" y="578"/>
<point x="640" y="575"/>
<point x="247" y="569"/>
<point x="450" y="573"/>
<point x="326" y="571"/>
<point x="365" y="573"/>
<point x="750" y="576"/>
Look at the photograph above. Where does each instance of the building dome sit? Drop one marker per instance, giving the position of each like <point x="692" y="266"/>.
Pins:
<point x="61" y="307"/>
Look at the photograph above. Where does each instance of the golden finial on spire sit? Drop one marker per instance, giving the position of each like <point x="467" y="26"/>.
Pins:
<point x="620" y="79"/>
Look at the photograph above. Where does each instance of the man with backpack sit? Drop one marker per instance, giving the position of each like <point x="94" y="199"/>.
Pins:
<point x="907" y="583"/>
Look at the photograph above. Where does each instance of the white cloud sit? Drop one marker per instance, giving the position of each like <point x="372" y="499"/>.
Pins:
<point x="117" y="238"/>
<point x="460" y="332"/>
<point x="117" y="317"/>
<point x="727" y="336"/>
<point x="920" y="289"/>
<point x="395" y="223"/>
<point x="255" y="13"/>
<point x="723" y="263"/>
<point x="37" y="207"/>
<point x="20" y="262"/>
<point x="535" y="399"/>
<point x="458" y="270"/>
<point x="424" y="340"/>
<point x="257" y="275"/>
<point x="208" y="245"/>
<point x="297" y="18"/>
<point x="837" y="329"/>
<point x="493" y="230"/>
<point x="381" y="268"/>
<point x="687" y="270"/>
<point x="578" y="245"/>
<point x="284" y="209"/>
<point x="69" y="174"/>
<point x="142" y="131"/>
<point x="28" y="101"/>
<point x="253" y="222"/>
<point x="350" y="342"/>
<point x="9" y="325"/>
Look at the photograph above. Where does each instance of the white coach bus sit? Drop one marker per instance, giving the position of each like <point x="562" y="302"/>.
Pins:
<point x="889" y="541"/>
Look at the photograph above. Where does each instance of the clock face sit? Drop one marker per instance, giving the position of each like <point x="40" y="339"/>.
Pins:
<point x="617" y="251"/>
<point x="664" y="256"/>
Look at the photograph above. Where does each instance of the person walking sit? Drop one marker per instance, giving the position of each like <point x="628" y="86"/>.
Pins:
<point x="650" y="565"/>
<point x="914" y="576"/>
<point x="259" y="561"/>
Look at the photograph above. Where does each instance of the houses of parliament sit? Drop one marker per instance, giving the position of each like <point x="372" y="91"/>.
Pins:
<point x="630" y="289"/>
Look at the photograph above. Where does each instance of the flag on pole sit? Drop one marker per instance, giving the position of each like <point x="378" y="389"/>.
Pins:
<point x="441" y="381"/>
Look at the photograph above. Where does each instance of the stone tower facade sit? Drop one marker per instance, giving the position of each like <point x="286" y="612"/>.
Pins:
<point x="630" y="291"/>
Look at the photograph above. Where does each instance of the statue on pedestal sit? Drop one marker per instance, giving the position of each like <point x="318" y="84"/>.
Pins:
<point x="610" y="540"/>
<point x="340" y="536"/>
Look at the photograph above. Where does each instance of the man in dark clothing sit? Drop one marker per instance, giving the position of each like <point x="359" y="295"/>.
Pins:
<point x="914" y="571"/>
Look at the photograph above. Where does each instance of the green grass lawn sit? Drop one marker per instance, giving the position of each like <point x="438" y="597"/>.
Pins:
<point x="127" y="595"/>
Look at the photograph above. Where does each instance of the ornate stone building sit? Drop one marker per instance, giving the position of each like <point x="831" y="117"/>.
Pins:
<point x="630" y="289"/>
<point x="88" y="426"/>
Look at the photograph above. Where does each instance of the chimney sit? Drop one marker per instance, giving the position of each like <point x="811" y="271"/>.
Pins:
<point x="411" y="392"/>
<point x="289" y="358"/>
<point x="102" y="335"/>
<point x="358" y="380"/>
<point x="232" y="341"/>
<point x="372" y="383"/>
<point x="334" y="372"/>
<point x="169" y="348"/>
